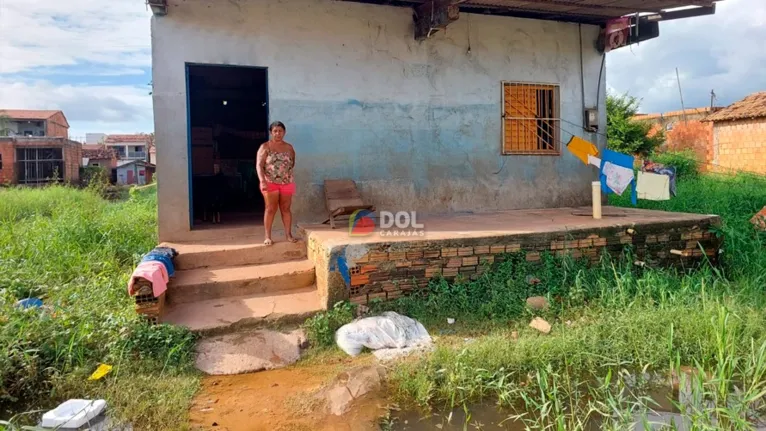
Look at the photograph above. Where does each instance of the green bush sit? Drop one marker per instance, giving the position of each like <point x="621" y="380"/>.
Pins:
<point x="626" y="135"/>
<point x="320" y="329"/>
<point x="685" y="162"/>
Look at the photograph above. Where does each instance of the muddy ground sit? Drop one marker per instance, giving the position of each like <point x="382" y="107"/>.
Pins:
<point x="282" y="400"/>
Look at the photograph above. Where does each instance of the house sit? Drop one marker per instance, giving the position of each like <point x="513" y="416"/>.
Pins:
<point x="99" y="156"/>
<point x="739" y="135"/>
<point x="466" y="108"/>
<point x="136" y="172"/>
<point x="129" y="147"/>
<point x="27" y="122"/>
<point x="685" y="130"/>
<point x="35" y="148"/>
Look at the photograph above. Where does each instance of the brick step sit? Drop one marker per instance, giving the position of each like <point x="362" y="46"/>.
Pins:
<point x="248" y="250"/>
<point x="202" y="284"/>
<point x="223" y="315"/>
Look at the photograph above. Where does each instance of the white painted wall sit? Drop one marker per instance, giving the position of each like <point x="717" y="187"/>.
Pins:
<point x="416" y="124"/>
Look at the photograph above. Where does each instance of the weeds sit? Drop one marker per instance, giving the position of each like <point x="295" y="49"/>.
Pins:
<point x="75" y="251"/>
<point x="320" y="329"/>
<point x="611" y="323"/>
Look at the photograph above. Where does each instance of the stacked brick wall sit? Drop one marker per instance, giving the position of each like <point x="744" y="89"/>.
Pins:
<point x="7" y="157"/>
<point x="740" y="145"/>
<point x="389" y="270"/>
<point x="72" y="153"/>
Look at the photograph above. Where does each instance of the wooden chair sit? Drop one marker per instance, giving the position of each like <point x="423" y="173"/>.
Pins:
<point x="342" y="198"/>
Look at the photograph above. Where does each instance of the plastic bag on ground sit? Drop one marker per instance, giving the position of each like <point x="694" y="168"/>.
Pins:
<point x="387" y="331"/>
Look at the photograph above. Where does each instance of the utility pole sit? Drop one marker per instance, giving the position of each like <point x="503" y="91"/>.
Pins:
<point x="712" y="98"/>
<point x="683" y="109"/>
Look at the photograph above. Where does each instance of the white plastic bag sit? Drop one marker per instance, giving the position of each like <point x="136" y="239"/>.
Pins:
<point x="73" y="413"/>
<point x="387" y="331"/>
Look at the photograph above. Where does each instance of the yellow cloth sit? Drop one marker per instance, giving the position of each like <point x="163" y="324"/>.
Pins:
<point x="653" y="187"/>
<point x="581" y="148"/>
<point x="100" y="372"/>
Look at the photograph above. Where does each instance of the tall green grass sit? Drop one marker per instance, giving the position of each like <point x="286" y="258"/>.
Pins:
<point x="609" y="321"/>
<point x="75" y="251"/>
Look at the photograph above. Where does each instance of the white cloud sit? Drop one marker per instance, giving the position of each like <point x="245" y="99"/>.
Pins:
<point x="40" y="33"/>
<point x="112" y="108"/>
<point x="47" y="41"/>
<point x="723" y="52"/>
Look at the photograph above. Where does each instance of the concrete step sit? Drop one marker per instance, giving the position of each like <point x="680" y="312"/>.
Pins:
<point x="201" y="284"/>
<point x="248" y="250"/>
<point x="223" y="315"/>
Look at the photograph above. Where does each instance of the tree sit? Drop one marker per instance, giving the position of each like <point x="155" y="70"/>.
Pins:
<point x="626" y="134"/>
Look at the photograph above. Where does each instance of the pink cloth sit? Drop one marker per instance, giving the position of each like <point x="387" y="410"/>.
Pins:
<point x="154" y="272"/>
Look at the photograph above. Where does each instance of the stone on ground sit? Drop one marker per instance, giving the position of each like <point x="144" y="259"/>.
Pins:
<point x="537" y="303"/>
<point x="248" y="352"/>
<point x="350" y="385"/>
<point x="541" y="325"/>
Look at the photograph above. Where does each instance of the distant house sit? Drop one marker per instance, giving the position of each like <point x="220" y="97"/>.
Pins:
<point x="129" y="147"/>
<point x="685" y="130"/>
<point x="99" y="156"/>
<point x="739" y="135"/>
<point x="136" y="172"/>
<point x="35" y="147"/>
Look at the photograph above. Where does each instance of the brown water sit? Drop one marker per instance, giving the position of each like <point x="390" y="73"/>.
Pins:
<point x="490" y="417"/>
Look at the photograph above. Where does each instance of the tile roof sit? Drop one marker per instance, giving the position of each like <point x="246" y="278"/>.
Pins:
<point x="752" y="106"/>
<point x="28" y="114"/>
<point x="97" y="152"/>
<point x="118" y="139"/>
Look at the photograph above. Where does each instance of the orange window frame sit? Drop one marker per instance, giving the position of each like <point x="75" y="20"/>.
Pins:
<point x="531" y="122"/>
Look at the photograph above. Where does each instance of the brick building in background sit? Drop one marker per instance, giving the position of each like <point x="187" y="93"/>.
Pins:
<point x="35" y="148"/>
<point x="739" y="135"/>
<point x="685" y="130"/>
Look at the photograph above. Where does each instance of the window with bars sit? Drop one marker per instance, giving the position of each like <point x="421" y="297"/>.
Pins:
<point x="531" y="123"/>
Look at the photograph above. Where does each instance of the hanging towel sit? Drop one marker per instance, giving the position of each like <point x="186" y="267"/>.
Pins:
<point x="659" y="168"/>
<point x="155" y="273"/>
<point x="581" y="148"/>
<point x="618" y="178"/>
<point x="653" y="187"/>
<point x="619" y="159"/>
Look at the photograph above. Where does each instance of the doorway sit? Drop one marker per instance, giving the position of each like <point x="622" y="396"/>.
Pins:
<point x="228" y="120"/>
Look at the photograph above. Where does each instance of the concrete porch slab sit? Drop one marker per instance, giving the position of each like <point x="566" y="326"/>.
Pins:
<point x="386" y="265"/>
<point x="502" y="223"/>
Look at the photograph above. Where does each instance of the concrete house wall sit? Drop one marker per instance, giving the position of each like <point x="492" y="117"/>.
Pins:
<point x="416" y="124"/>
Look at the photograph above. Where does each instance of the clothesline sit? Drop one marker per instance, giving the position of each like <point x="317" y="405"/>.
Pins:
<point x="676" y="155"/>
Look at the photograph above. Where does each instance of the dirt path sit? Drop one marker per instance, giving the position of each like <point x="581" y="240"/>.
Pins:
<point x="280" y="400"/>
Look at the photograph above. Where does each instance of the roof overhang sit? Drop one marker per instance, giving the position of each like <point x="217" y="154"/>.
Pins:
<point x="431" y="16"/>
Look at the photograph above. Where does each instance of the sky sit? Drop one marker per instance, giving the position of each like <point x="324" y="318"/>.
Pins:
<point x="92" y="59"/>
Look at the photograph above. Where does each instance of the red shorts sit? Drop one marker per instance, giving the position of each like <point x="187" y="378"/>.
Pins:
<point x="284" y="189"/>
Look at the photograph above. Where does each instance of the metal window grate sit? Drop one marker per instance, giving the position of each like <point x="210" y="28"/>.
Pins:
<point x="531" y="123"/>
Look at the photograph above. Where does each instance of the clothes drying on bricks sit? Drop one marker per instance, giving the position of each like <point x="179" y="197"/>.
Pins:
<point x="164" y="255"/>
<point x="154" y="272"/>
<point x="162" y="258"/>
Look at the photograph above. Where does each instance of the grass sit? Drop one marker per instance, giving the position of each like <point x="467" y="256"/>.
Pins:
<point x="611" y="323"/>
<point x="75" y="251"/>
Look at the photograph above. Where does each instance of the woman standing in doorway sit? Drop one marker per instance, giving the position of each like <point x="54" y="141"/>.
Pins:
<point x="275" y="163"/>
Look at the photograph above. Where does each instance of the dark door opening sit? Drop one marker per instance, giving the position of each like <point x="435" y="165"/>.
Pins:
<point x="228" y="119"/>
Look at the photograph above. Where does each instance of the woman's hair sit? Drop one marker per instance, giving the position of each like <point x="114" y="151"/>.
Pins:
<point x="277" y="124"/>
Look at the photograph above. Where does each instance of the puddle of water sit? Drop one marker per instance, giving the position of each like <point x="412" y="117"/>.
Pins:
<point x="490" y="417"/>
